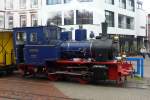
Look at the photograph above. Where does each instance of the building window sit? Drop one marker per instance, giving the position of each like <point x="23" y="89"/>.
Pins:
<point x="129" y="23"/>
<point x="34" y="3"/>
<point x="109" y="1"/>
<point x="69" y="17"/>
<point x="109" y="18"/>
<point x="140" y="6"/>
<point x="55" y="19"/>
<point x="22" y="3"/>
<point x="10" y="21"/>
<point x="131" y="5"/>
<point x="53" y="2"/>
<point x="122" y="4"/>
<point x="67" y="1"/>
<point x="1" y="20"/>
<point x="34" y="20"/>
<point x="85" y="0"/>
<point x="121" y="21"/>
<point x="33" y="37"/>
<point x="9" y="4"/>
<point x="125" y="22"/>
<point x="149" y="19"/>
<point x="23" y="20"/>
<point x="84" y="17"/>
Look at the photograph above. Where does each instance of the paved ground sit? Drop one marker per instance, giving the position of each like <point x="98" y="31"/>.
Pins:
<point x="17" y="88"/>
<point x="91" y="92"/>
<point x="138" y="89"/>
<point x="147" y="67"/>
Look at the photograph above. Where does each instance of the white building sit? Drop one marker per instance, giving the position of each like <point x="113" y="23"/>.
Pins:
<point x="124" y="17"/>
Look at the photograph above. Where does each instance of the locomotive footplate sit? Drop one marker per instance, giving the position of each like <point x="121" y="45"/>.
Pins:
<point x="110" y="70"/>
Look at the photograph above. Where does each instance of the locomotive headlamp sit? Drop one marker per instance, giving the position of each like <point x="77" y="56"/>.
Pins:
<point x="124" y="55"/>
<point x="118" y="58"/>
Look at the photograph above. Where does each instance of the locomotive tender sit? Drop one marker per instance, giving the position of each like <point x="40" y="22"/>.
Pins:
<point x="45" y="50"/>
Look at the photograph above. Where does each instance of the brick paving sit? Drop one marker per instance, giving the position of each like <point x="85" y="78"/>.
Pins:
<point x="19" y="89"/>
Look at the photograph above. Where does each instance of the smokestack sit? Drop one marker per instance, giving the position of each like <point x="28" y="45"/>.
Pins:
<point x="104" y="28"/>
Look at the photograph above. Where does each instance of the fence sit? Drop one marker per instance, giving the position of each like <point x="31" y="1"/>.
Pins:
<point x="139" y="65"/>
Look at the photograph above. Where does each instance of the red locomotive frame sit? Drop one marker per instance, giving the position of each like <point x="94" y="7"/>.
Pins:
<point x="117" y="70"/>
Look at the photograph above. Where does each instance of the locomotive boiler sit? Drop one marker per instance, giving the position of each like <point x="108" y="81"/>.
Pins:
<point x="45" y="51"/>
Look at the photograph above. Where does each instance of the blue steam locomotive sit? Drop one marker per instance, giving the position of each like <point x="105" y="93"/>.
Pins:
<point x="46" y="50"/>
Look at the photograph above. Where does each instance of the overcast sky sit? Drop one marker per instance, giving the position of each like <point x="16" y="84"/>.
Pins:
<point x="146" y="5"/>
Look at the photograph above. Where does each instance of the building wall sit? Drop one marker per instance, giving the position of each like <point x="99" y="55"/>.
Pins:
<point x="141" y="19"/>
<point x="148" y="30"/>
<point x="97" y="6"/>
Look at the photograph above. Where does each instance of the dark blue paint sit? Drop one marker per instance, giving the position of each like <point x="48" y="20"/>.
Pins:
<point x="66" y="36"/>
<point x="80" y="34"/>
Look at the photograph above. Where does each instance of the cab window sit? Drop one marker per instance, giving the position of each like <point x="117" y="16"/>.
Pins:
<point x="33" y="37"/>
<point x="20" y="37"/>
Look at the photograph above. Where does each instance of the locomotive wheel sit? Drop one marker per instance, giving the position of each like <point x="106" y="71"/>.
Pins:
<point x="22" y="72"/>
<point x="53" y="77"/>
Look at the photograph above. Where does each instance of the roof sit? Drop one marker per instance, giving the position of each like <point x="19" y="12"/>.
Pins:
<point x="37" y="27"/>
<point x="6" y="30"/>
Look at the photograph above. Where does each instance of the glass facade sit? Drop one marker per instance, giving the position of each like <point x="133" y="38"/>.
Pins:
<point x="67" y="1"/>
<point x="84" y="17"/>
<point x="109" y="1"/>
<point x="125" y="22"/>
<point x="10" y="21"/>
<point x="22" y="3"/>
<point x="1" y="20"/>
<point x="122" y="4"/>
<point x="109" y="15"/>
<point x="53" y="2"/>
<point x="131" y="5"/>
<point x="34" y="20"/>
<point x="129" y="22"/>
<point x="69" y="17"/>
<point x="55" y="18"/>
<point x="9" y="4"/>
<point x="23" y="21"/>
<point x="34" y="3"/>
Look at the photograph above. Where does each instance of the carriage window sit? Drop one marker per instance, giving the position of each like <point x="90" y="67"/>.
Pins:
<point x="33" y="37"/>
<point x="21" y="37"/>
